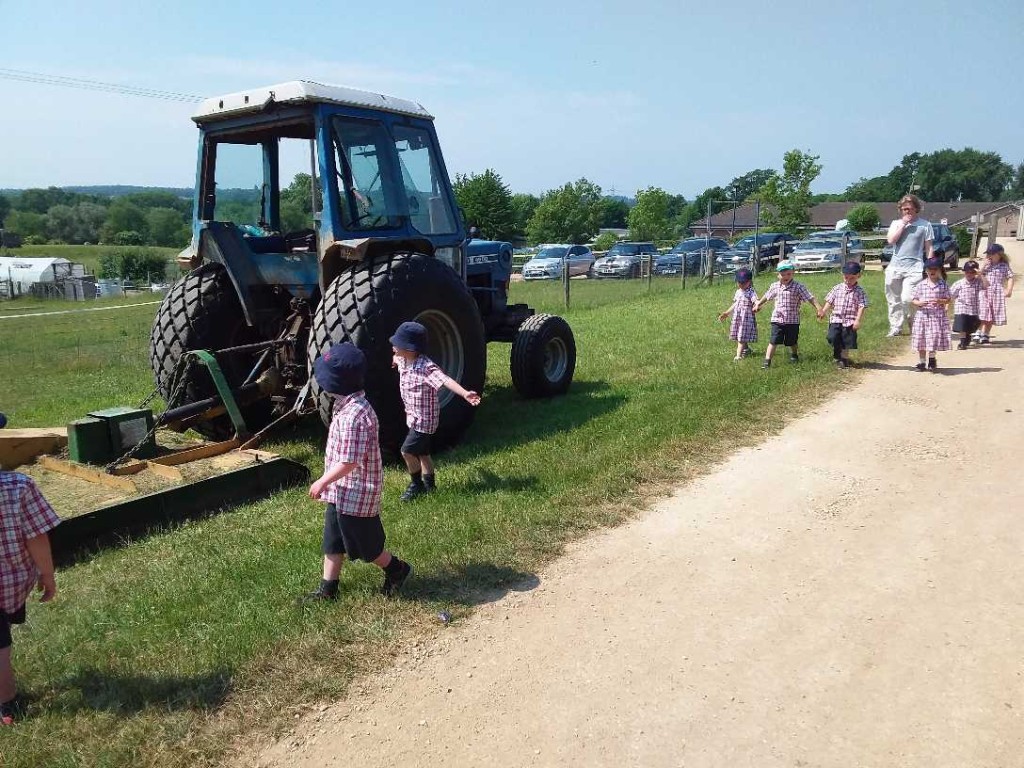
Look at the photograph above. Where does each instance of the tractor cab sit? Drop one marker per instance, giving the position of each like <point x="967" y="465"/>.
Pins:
<point x="296" y="180"/>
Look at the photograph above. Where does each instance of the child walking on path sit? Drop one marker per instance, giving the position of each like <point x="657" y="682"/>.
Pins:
<point x="25" y="563"/>
<point x="352" y="478"/>
<point x="788" y="294"/>
<point x="419" y="379"/>
<point x="992" y="308"/>
<point x="930" y="333"/>
<point x="967" y="293"/>
<point x="847" y="302"/>
<point x="743" y="328"/>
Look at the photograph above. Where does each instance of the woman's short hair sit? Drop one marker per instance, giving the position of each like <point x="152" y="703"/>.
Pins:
<point x="914" y="200"/>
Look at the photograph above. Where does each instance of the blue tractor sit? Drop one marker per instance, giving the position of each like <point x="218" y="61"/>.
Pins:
<point x="370" y="236"/>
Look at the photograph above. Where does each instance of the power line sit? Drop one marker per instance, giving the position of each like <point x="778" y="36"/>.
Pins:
<point x="95" y="85"/>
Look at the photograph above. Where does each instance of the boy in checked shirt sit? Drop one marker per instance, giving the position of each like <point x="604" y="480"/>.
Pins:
<point x="788" y="294"/>
<point x="419" y="379"/>
<point x="352" y="478"/>
<point x="25" y="562"/>
<point x="847" y="302"/>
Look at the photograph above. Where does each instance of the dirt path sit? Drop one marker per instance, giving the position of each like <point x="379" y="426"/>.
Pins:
<point x="849" y="593"/>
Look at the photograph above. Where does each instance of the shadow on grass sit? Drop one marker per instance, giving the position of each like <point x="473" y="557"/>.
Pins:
<point x="96" y="690"/>
<point x="472" y="584"/>
<point x="488" y="481"/>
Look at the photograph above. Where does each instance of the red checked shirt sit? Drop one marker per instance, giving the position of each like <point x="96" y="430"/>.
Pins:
<point x="787" y="301"/>
<point x="418" y="382"/>
<point x="967" y="294"/>
<point x="353" y="439"/>
<point x="845" y="302"/>
<point x="24" y="514"/>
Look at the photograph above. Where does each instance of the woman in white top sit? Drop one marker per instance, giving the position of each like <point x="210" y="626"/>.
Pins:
<point x="912" y="237"/>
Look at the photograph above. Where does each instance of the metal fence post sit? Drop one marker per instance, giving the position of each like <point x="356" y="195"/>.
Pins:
<point x="711" y="266"/>
<point x="845" y="248"/>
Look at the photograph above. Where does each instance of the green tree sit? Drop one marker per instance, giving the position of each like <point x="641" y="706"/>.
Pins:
<point x="605" y="241"/>
<point x="160" y="199"/>
<point x="297" y="204"/>
<point x="614" y="213"/>
<point x="129" y="238"/>
<point x="27" y="224"/>
<point x="486" y="203"/>
<point x="569" y="214"/>
<point x="123" y="216"/>
<point x="1016" y="188"/>
<point x="863" y="218"/>
<point x="135" y="264"/>
<point x="523" y="206"/>
<point x="966" y="174"/>
<point x="698" y="209"/>
<point x="743" y="187"/>
<point x="5" y="208"/>
<point x="167" y="227"/>
<point x="649" y="219"/>
<point x="787" y="197"/>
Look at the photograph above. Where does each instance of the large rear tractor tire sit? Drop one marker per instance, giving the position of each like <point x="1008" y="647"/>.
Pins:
<point x="543" y="358"/>
<point x="365" y="305"/>
<point x="202" y="311"/>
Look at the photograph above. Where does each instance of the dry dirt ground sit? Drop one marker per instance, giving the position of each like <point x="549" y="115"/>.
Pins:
<point x="848" y="593"/>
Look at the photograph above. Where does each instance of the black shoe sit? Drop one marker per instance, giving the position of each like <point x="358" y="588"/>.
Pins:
<point x="318" y="595"/>
<point x="842" y="364"/>
<point x="964" y="344"/>
<point x="9" y="712"/>
<point x="932" y="364"/>
<point x="428" y="483"/>
<point x="920" y="366"/>
<point x="794" y="358"/>
<point x="393" y="584"/>
<point x="766" y="364"/>
<point x="415" y="489"/>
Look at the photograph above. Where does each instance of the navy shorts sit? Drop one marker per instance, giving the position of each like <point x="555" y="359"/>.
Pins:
<point x="358" y="538"/>
<point x="6" y="619"/>
<point x="417" y="443"/>
<point x="786" y="334"/>
<point x="841" y="336"/>
<point x="966" y="323"/>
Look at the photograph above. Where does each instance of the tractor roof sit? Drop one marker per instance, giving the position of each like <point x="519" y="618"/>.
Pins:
<point x="302" y="92"/>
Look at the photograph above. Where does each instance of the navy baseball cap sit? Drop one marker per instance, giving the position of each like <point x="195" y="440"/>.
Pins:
<point x="411" y="337"/>
<point x="851" y="268"/>
<point x="933" y="263"/>
<point x="970" y="266"/>
<point x="995" y="248"/>
<point x="744" y="275"/>
<point x="341" y="369"/>
<point x="3" y="421"/>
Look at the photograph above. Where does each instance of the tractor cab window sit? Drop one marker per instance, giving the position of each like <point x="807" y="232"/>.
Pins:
<point x="429" y="209"/>
<point x="367" y="196"/>
<point x="262" y="184"/>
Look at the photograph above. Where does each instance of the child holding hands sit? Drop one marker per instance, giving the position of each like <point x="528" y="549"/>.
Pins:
<point x="847" y="302"/>
<point x="743" y="328"/>
<point x="788" y="294"/>
<point x="930" y="332"/>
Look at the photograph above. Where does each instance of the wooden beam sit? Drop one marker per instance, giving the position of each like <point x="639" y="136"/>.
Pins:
<point x="165" y="471"/>
<point x="83" y="472"/>
<point x="192" y="454"/>
<point x="21" y="446"/>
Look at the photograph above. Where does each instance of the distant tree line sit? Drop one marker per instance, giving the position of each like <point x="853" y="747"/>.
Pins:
<point x="574" y="212"/>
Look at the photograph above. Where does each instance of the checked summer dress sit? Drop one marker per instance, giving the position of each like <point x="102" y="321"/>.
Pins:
<point x="992" y="308"/>
<point x="744" y="325"/>
<point x="931" y="326"/>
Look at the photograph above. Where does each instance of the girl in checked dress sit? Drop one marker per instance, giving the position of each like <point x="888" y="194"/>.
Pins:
<point x="743" y="328"/>
<point x="992" y="307"/>
<point x="930" y="333"/>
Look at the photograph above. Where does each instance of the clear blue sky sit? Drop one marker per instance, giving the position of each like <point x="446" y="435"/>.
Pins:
<point x="678" y="95"/>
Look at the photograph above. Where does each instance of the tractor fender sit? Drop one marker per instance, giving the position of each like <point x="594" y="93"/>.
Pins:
<point x="337" y="255"/>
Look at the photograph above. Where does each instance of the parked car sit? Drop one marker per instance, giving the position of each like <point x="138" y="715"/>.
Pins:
<point x="550" y="259"/>
<point x="944" y="241"/>
<point x="854" y="245"/>
<point x="817" y="254"/>
<point x="769" y="248"/>
<point x="624" y="260"/>
<point x="690" y="251"/>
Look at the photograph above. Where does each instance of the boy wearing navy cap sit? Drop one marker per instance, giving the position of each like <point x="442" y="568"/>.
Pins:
<point x="26" y="562"/>
<point x="353" y="476"/>
<point x="847" y="302"/>
<point x="419" y="379"/>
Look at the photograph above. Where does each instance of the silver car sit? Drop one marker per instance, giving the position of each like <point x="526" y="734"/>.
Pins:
<point x="817" y="255"/>
<point x="551" y="258"/>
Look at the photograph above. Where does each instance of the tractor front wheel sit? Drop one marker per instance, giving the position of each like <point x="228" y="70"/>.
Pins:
<point x="543" y="357"/>
<point x="366" y="303"/>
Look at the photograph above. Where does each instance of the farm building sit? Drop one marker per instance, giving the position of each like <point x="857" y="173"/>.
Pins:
<point x="46" y="277"/>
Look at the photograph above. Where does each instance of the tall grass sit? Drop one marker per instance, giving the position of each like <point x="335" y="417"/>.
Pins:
<point x="162" y="652"/>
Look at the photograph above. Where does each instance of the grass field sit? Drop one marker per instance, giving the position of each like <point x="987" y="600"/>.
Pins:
<point x="170" y="650"/>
